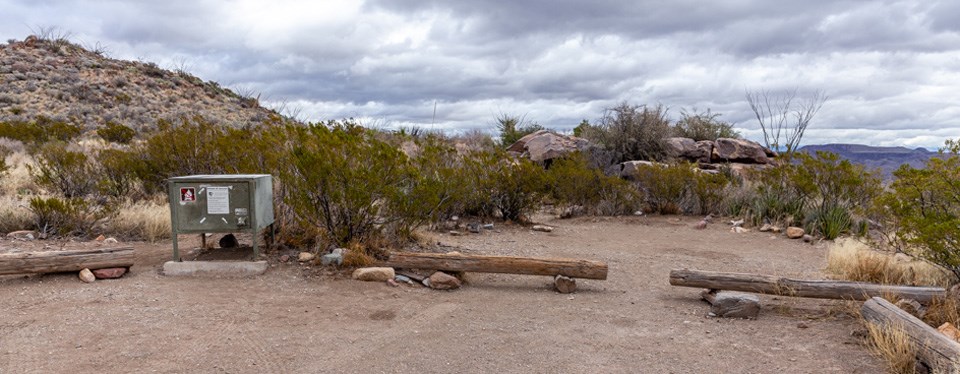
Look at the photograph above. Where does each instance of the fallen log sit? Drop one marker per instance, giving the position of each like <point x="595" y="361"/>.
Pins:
<point x="65" y="261"/>
<point x="821" y="289"/>
<point x="937" y="351"/>
<point x="585" y="269"/>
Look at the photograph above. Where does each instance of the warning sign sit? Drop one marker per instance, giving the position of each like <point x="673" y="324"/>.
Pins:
<point x="187" y="194"/>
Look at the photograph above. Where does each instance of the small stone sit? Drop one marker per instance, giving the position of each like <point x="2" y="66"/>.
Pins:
<point x="331" y="259"/>
<point x="638" y="213"/>
<point x="443" y="281"/>
<point x="700" y="225"/>
<point x="377" y="274"/>
<point x="807" y="238"/>
<point x="110" y="241"/>
<point x="339" y="251"/>
<point x="542" y="228"/>
<point x="22" y="235"/>
<point x="284" y="258"/>
<point x="306" y="256"/>
<point x="87" y="276"/>
<point x="229" y="241"/>
<point x="564" y="284"/>
<point x="795" y="232"/>
<point x="708" y="218"/>
<point x="402" y="278"/>
<point x="801" y="325"/>
<point x="393" y="283"/>
<point x="109" y="273"/>
<point x="473" y="227"/>
<point x="766" y="227"/>
<point x="488" y="226"/>
<point x="454" y="218"/>
<point x="455" y="233"/>
<point x="738" y="230"/>
<point x="737" y="223"/>
<point x="101" y="238"/>
<point x="950" y="331"/>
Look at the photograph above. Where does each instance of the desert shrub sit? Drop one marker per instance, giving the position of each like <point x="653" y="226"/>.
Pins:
<point x="183" y="148"/>
<point x="42" y="129"/>
<point x="512" y="128"/>
<point x="4" y="153"/>
<point x="851" y="259"/>
<point x="118" y="172"/>
<point x="515" y="186"/>
<point x="141" y="220"/>
<point x="708" y="192"/>
<point x="64" y="216"/>
<point x="924" y="204"/>
<point x="573" y="183"/>
<point x="829" y="222"/>
<point x="14" y="214"/>
<point x="703" y="126"/>
<point x="70" y="173"/>
<point x="342" y="179"/>
<point x="116" y="133"/>
<point x="437" y="189"/>
<point x="633" y="132"/>
<point x="665" y="187"/>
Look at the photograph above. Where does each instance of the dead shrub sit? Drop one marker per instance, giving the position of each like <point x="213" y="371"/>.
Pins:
<point x="850" y="259"/>
<point x="141" y="220"/>
<point x="941" y="311"/>
<point x="14" y="214"/>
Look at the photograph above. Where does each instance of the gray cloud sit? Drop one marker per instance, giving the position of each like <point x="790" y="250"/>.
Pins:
<point x="891" y="68"/>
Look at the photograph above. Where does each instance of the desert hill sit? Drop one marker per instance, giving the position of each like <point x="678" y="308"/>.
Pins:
<point x="887" y="159"/>
<point x="65" y="82"/>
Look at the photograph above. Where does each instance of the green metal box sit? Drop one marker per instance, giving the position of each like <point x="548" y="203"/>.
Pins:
<point x="220" y="204"/>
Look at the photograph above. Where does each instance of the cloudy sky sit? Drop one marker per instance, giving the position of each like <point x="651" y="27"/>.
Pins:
<point x="891" y="69"/>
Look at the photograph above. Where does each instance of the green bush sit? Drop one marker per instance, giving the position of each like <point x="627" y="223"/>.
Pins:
<point x="66" y="172"/>
<point x="703" y="126"/>
<point x="42" y="129"/>
<point x="64" y="217"/>
<point x="665" y="187"/>
<point x="924" y="204"/>
<point x="116" y="133"/>
<point x="573" y="183"/>
<point x="633" y="132"/>
<point x="118" y="172"/>
<point x="512" y="128"/>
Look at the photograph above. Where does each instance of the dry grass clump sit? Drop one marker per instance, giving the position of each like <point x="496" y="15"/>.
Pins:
<point x="147" y="220"/>
<point x="850" y="259"/>
<point x="941" y="311"/>
<point x="893" y="345"/>
<point x="17" y="180"/>
<point x="14" y="214"/>
<point x="356" y="256"/>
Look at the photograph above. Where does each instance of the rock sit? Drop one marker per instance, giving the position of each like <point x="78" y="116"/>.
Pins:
<point x="331" y="259"/>
<point x="402" y="278"/>
<point x="700" y="225"/>
<point x="229" y="241"/>
<point x="379" y="274"/>
<point x="794" y="232"/>
<point x="807" y="238"/>
<point x="708" y="218"/>
<point x="638" y="213"/>
<point x="284" y="258"/>
<point x="393" y="283"/>
<point x="687" y="149"/>
<point x="455" y="233"/>
<point x="802" y="325"/>
<point x="306" y="256"/>
<point x="739" y="151"/>
<point x="564" y="284"/>
<point x="454" y="218"/>
<point x="572" y="211"/>
<point x="766" y="227"/>
<point x="731" y="304"/>
<point x="109" y="273"/>
<point x="739" y="230"/>
<point x="629" y="169"/>
<point x="546" y="145"/>
<point x="473" y="227"/>
<point x="542" y="228"/>
<point x="705" y="149"/>
<point x="950" y="331"/>
<point x="22" y="234"/>
<point x="87" y="276"/>
<point x="443" y="281"/>
<point x="737" y="223"/>
<point x="911" y="306"/>
<point x="339" y="251"/>
<point x="488" y="226"/>
<point x="100" y="238"/>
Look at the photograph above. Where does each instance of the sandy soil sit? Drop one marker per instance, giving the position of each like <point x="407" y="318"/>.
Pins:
<point x="296" y="320"/>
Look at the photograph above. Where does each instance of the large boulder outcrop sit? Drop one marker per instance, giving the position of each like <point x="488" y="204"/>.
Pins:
<point x="739" y="151"/>
<point x="545" y="145"/>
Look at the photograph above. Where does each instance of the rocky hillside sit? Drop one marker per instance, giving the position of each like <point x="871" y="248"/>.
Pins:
<point x="887" y="159"/>
<point x="65" y="82"/>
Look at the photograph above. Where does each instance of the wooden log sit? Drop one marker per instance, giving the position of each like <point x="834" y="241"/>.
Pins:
<point x="585" y="269"/>
<point x="65" y="261"/>
<point x="821" y="289"/>
<point x="934" y="349"/>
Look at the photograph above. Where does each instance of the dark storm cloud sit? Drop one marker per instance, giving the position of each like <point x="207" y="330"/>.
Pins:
<point x="891" y="68"/>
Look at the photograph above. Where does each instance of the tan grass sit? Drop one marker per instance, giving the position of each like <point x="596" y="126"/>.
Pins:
<point x="850" y="259"/>
<point x="144" y="220"/>
<point x="17" y="180"/>
<point x="14" y="214"/>
<point x="893" y="345"/>
<point x="941" y="311"/>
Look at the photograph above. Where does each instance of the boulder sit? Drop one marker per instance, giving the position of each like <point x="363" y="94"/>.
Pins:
<point x="731" y="304"/>
<point x="443" y="281"/>
<point x="331" y="259"/>
<point x="379" y="274"/>
<point x="687" y="149"/>
<point x="795" y="232"/>
<point x="740" y="151"/>
<point x="109" y="273"/>
<point x="705" y="150"/>
<point x="546" y="145"/>
<point x="628" y="169"/>
<point x="564" y="284"/>
<point x="87" y="276"/>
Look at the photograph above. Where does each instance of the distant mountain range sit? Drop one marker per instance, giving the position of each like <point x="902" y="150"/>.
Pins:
<point x="886" y="159"/>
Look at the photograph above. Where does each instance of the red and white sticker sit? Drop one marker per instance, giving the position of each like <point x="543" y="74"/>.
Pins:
<point x="188" y="194"/>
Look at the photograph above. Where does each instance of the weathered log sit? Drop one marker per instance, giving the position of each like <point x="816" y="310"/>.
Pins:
<point x="821" y="289"/>
<point x="65" y="261"/>
<point x="585" y="269"/>
<point x="937" y="351"/>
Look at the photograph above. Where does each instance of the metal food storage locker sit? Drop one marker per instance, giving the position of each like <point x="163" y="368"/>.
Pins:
<point x="220" y="204"/>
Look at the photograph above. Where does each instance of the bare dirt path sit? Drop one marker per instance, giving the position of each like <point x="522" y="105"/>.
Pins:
<point x="290" y="321"/>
